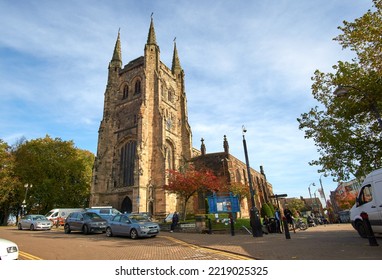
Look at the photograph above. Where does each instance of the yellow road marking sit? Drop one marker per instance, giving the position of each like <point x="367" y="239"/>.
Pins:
<point x="215" y="251"/>
<point x="28" y="256"/>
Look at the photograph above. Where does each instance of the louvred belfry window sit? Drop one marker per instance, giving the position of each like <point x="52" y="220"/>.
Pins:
<point x="128" y="154"/>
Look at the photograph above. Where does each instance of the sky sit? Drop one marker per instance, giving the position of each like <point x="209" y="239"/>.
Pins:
<point x="246" y="62"/>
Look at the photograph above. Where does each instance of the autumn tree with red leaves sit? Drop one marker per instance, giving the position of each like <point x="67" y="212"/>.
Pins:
<point x="346" y="202"/>
<point x="185" y="184"/>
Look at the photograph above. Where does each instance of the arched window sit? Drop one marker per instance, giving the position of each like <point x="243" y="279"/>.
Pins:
<point x="170" y="163"/>
<point x="170" y="96"/>
<point x="128" y="155"/>
<point x="238" y="175"/>
<point x="125" y="92"/>
<point x="163" y="91"/>
<point x="137" y="87"/>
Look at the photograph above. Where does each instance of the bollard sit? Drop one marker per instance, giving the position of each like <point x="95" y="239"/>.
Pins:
<point x="286" y="228"/>
<point x="209" y="226"/>
<point x="232" y="226"/>
<point x="369" y="230"/>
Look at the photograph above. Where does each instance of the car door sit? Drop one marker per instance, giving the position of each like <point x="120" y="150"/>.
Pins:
<point x="368" y="200"/>
<point x="74" y="221"/>
<point x="377" y="206"/>
<point x="125" y="225"/>
<point x="114" y="224"/>
<point x="25" y="223"/>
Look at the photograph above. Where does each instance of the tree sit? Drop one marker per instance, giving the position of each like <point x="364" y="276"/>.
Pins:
<point x="346" y="202"/>
<point x="59" y="172"/>
<point x="266" y="211"/>
<point x="189" y="182"/>
<point x="296" y="205"/>
<point x="345" y="128"/>
<point x="9" y="199"/>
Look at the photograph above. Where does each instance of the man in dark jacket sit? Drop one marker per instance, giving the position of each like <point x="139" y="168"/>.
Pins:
<point x="175" y="221"/>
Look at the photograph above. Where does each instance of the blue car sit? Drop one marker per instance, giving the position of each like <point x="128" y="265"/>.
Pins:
<point x="131" y="225"/>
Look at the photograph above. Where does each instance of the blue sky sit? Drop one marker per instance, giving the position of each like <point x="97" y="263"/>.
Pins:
<point x="246" y="63"/>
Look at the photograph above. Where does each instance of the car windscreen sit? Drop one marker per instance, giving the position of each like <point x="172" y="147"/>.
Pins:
<point x="138" y="218"/>
<point x="38" y="218"/>
<point x="91" y="216"/>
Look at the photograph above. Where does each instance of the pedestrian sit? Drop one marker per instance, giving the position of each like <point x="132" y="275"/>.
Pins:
<point x="175" y="221"/>
<point x="278" y="220"/>
<point x="289" y="217"/>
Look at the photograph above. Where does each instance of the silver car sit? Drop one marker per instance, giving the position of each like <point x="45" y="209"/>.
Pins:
<point x="34" y="222"/>
<point x="132" y="225"/>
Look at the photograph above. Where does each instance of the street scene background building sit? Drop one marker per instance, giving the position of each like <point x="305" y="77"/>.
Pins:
<point x="145" y="131"/>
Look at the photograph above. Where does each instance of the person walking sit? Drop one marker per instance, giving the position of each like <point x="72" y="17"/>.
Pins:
<point x="278" y="221"/>
<point x="289" y="217"/>
<point x="175" y="221"/>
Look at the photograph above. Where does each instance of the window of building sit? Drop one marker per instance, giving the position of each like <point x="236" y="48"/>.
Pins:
<point x="128" y="155"/>
<point x="137" y="87"/>
<point x="170" y="96"/>
<point x="125" y="92"/>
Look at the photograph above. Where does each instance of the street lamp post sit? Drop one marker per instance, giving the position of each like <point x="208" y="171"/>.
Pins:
<point x="254" y="212"/>
<point x="310" y="194"/>
<point x="323" y="192"/>
<point x="24" y="205"/>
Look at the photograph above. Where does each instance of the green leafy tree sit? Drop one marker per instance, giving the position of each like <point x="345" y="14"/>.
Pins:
<point x="59" y="173"/>
<point x="9" y="192"/>
<point x="346" y="127"/>
<point x="266" y="211"/>
<point x="296" y="205"/>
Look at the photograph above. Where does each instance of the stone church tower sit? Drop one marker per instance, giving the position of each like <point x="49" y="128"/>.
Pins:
<point x="144" y="131"/>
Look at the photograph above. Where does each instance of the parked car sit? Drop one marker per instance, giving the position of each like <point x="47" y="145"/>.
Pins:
<point x="34" y="222"/>
<point x="86" y="222"/>
<point x="132" y="225"/>
<point x="58" y="215"/>
<point x="8" y="250"/>
<point x="146" y="214"/>
<point x="168" y="218"/>
<point x="368" y="205"/>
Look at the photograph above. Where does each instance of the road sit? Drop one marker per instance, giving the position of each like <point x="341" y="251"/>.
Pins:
<point x="56" y="245"/>
<point x="331" y="242"/>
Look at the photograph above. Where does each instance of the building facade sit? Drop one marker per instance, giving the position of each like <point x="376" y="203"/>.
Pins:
<point x="144" y="132"/>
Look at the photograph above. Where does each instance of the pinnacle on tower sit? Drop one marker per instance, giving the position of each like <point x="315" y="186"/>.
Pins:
<point x="117" y="56"/>
<point x="151" y="38"/>
<point x="176" y="68"/>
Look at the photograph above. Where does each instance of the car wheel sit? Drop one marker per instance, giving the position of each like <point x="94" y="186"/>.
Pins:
<point x="361" y="229"/>
<point x="133" y="234"/>
<point x="85" y="229"/>
<point x="109" y="233"/>
<point x="32" y="227"/>
<point x="19" y="226"/>
<point x="67" y="228"/>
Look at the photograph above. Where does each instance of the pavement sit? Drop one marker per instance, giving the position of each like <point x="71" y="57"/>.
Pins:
<point x="323" y="242"/>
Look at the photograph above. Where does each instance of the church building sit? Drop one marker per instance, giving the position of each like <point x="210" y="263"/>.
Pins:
<point x="145" y="131"/>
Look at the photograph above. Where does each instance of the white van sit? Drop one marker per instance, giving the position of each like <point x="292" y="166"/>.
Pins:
<point x="58" y="215"/>
<point x="106" y="212"/>
<point x="369" y="200"/>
